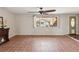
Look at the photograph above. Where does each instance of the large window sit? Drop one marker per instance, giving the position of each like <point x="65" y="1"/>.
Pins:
<point x="45" y="21"/>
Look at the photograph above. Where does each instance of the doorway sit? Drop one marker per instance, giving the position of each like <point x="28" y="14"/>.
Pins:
<point x="72" y="26"/>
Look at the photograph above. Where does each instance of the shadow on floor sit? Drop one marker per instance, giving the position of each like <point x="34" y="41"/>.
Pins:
<point x="74" y="36"/>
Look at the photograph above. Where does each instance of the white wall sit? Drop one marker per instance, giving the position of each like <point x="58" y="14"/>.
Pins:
<point x="25" y="26"/>
<point x="78" y="25"/>
<point x="10" y="18"/>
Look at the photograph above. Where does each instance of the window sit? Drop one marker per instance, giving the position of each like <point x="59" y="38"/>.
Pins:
<point x="72" y="22"/>
<point x="45" y="21"/>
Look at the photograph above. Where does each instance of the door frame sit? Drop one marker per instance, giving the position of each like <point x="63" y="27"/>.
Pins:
<point x="70" y="24"/>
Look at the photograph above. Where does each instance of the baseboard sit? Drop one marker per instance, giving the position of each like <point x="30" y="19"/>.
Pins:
<point x="40" y="35"/>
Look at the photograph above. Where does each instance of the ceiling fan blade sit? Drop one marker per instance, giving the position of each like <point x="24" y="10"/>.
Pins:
<point x="50" y="11"/>
<point x="32" y="12"/>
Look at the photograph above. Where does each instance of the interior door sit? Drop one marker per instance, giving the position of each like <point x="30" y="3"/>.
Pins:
<point x="72" y="25"/>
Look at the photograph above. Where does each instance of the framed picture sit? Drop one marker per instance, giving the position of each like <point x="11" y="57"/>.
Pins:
<point x="1" y="22"/>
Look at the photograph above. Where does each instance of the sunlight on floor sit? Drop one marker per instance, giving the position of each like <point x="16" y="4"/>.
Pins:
<point x="44" y="45"/>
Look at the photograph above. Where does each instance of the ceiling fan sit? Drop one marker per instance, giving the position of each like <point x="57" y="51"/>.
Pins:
<point x="41" y="11"/>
